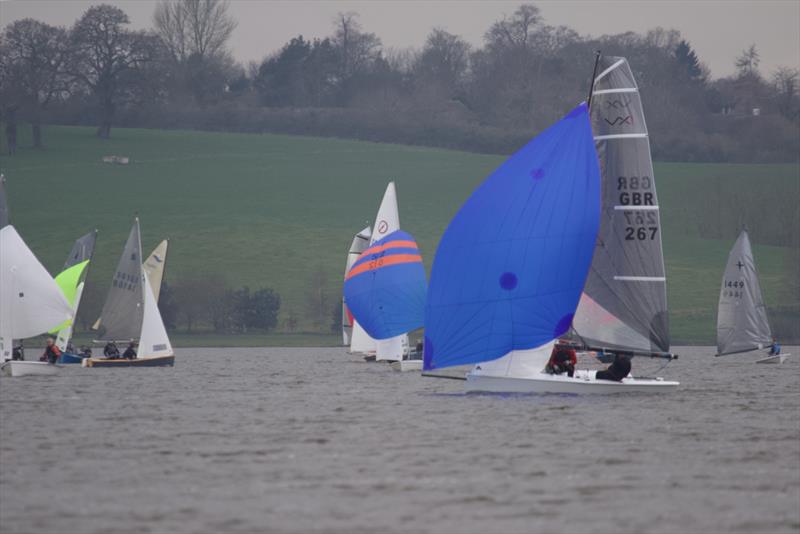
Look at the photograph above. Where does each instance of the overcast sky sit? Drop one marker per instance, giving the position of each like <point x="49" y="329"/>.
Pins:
<point x="718" y="30"/>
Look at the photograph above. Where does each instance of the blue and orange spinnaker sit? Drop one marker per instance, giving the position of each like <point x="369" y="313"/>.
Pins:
<point x="385" y="288"/>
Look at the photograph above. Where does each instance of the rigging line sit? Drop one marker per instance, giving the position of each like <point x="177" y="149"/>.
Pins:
<point x="621" y="136"/>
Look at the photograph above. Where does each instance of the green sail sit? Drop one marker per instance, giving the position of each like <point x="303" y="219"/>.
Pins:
<point x="69" y="280"/>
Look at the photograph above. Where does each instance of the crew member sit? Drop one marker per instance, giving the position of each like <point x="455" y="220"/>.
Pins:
<point x="111" y="350"/>
<point x="618" y="370"/>
<point x="51" y="352"/>
<point x="775" y="349"/>
<point x="562" y="360"/>
<point x="130" y="352"/>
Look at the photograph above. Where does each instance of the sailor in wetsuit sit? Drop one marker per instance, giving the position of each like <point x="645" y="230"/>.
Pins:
<point x="562" y="360"/>
<point x="618" y="370"/>
<point x="775" y="349"/>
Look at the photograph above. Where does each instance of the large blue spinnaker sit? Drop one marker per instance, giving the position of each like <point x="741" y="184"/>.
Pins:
<point x="511" y="265"/>
<point x="385" y="288"/>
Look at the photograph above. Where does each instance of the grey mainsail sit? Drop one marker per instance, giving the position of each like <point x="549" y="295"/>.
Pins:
<point x="123" y="310"/>
<point x="3" y="202"/>
<point x="82" y="250"/>
<point x="742" y="315"/>
<point x="624" y="305"/>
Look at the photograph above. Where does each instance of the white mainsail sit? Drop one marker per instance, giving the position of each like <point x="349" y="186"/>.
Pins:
<point x="360" y="243"/>
<point x="386" y="222"/>
<point x="31" y="302"/>
<point x="153" y="341"/>
<point x="742" y="323"/>
<point x="154" y="267"/>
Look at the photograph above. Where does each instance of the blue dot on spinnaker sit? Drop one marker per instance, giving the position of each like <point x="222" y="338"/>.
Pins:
<point x="508" y="281"/>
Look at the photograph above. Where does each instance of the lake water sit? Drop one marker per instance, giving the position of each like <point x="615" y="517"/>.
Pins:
<point x="314" y="440"/>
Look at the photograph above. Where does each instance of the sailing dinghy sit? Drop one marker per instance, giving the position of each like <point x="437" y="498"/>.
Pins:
<point x="31" y="303"/>
<point x="385" y="289"/>
<point x="359" y="245"/>
<point x="387" y="221"/>
<point x="512" y="265"/>
<point x="130" y="312"/>
<point x="742" y="324"/>
<point x="72" y="280"/>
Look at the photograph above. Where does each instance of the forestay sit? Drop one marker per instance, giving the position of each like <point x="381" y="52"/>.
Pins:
<point x="624" y="305"/>
<point x="742" y="315"/>
<point x="31" y="302"/>
<point x="385" y="288"/>
<point x="511" y="265"/>
<point x="123" y="310"/>
<point x="360" y="243"/>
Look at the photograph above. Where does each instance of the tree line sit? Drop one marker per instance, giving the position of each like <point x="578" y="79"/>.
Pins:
<point x="491" y="98"/>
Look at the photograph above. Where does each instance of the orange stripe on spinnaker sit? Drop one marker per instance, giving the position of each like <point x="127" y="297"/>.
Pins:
<point x="389" y="245"/>
<point x="383" y="262"/>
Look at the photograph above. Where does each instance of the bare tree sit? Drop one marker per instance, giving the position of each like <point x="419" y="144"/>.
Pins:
<point x="356" y="48"/>
<point x="33" y="59"/>
<point x="747" y="63"/>
<point x="785" y="81"/>
<point x="194" y="27"/>
<point x="515" y="31"/>
<point x="105" y="56"/>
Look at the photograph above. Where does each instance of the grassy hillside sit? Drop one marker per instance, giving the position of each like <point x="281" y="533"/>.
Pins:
<point x="270" y="210"/>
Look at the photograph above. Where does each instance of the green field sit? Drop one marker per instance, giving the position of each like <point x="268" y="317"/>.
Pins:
<point x="270" y="210"/>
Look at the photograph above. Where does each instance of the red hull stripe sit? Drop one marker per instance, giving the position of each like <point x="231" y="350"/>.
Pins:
<point x="386" y="261"/>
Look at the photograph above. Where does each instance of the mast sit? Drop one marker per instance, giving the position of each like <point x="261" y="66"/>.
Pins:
<point x="594" y="76"/>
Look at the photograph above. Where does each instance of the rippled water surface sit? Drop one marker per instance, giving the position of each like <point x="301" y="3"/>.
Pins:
<point x="313" y="440"/>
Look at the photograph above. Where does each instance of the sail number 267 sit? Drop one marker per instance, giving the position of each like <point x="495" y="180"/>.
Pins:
<point x="641" y="225"/>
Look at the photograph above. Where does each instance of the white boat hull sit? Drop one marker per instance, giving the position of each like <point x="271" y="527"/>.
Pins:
<point x="23" y="368"/>
<point x="776" y="359"/>
<point x="583" y="383"/>
<point x="407" y="365"/>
